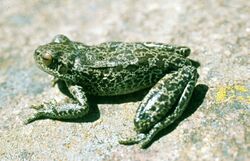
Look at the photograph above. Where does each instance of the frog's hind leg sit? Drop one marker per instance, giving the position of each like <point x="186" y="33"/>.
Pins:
<point x="173" y="91"/>
<point x="62" y="112"/>
<point x="181" y="106"/>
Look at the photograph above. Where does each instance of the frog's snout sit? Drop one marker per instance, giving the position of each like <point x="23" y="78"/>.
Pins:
<point x="37" y="52"/>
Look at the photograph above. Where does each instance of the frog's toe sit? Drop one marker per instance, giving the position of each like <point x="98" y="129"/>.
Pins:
<point x="29" y="120"/>
<point x="45" y="105"/>
<point x="134" y="140"/>
<point x="128" y="141"/>
<point x="36" y="116"/>
<point x="37" y="107"/>
<point x="145" y="143"/>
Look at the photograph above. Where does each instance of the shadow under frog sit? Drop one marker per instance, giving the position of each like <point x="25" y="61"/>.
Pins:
<point x="113" y="69"/>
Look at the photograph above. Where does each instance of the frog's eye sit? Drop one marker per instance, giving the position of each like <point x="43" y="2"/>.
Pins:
<point x="47" y="59"/>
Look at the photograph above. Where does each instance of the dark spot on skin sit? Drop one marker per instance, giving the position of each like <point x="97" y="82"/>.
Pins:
<point x="63" y="70"/>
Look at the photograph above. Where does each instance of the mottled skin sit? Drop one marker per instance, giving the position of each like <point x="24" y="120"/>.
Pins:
<point x="117" y="68"/>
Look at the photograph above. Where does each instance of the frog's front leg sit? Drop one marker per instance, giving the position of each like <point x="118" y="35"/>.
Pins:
<point x="154" y="114"/>
<point x="63" y="112"/>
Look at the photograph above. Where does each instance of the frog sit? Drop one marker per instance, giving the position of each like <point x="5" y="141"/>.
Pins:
<point x="118" y="68"/>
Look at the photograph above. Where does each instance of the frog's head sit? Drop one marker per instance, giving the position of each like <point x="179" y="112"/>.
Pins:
<point x="55" y="57"/>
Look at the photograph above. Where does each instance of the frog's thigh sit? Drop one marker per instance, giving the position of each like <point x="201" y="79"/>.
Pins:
<point x="182" y="103"/>
<point x="65" y="111"/>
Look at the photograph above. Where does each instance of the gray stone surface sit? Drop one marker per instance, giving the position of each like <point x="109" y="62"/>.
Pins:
<point x="216" y="123"/>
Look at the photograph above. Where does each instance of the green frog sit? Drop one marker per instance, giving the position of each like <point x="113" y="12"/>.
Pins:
<point x="118" y="68"/>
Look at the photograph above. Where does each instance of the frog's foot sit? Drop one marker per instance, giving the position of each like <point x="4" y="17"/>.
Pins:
<point x="142" y="139"/>
<point x="134" y="140"/>
<point x="41" y="110"/>
<point x="62" y="112"/>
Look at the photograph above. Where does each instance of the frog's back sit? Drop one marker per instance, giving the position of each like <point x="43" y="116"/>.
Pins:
<point x="115" y="68"/>
<point x="112" y="54"/>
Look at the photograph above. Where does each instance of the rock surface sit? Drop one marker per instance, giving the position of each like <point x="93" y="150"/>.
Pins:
<point x="214" y="127"/>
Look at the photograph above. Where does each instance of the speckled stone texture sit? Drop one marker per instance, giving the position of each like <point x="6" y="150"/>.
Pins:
<point x="214" y="127"/>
